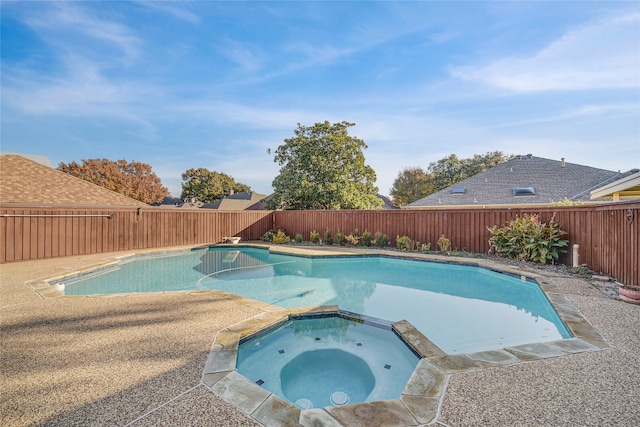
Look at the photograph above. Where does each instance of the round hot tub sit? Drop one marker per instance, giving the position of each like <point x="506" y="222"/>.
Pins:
<point x="321" y="361"/>
<point x="327" y="377"/>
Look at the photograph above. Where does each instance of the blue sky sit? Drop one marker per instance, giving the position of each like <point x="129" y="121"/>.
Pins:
<point x="214" y="84"/>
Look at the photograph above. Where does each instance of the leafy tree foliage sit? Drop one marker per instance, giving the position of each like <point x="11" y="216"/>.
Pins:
<point x="208" y="186"/>
<point x="411" y="184"/>
<point x="323" y="167"/>
<point x="451" y="169"/>
<point x="135" y="179"/>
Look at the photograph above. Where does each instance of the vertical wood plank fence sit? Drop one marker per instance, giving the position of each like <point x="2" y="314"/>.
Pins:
<point x="36" y="233"/>
<point x="608" y="235"/>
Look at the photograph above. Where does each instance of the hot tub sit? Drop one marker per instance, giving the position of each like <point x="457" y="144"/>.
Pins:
<point x="322" y="361"/>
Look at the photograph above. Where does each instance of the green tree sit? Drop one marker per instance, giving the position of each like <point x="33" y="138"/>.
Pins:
<point x="411" y="184"/>
<point x="447" y="171"/>
<point x="323" y="167"/>
<point x="450" y="170"/>
<point x="208" y="186"/>
<point x="135" y="179"/>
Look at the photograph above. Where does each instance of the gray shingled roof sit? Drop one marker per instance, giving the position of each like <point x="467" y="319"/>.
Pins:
<point x="552" y="180"/>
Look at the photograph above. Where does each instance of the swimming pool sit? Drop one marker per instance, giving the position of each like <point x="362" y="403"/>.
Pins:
<point x="460" y="308"/>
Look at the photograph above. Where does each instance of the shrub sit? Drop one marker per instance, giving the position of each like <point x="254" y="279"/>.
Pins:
<point x="341" y="239"/>
<point x="353" y="240"/>
<point x="381" y="240"/>
<point x="366" y="238"/>
<point x="426" y="248"/>
<point x="281" y="237"/>
<point x="314" y="236"/>
<point x="444" y="244"/>
<point x="528" y="239"/>
<point x="299" y="238"/>
<point x="269" y="235"/>
<point x="404" y="243"/>
<point x="328" y="238"/>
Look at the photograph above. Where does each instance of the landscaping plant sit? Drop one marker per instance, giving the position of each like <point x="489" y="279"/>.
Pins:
<point x="405" y="243"/>
<point x="353" y="239"/>
<point x="314" y="237"/>
<point x="366" y="238"/>
<point x="382" y="240"/>
<point x="328" y="238"/>
<point x="528" y="239"/>
<point x="444" y="244"/>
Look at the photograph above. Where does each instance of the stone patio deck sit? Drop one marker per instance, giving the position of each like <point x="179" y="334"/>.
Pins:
<point x="138" y="360"/>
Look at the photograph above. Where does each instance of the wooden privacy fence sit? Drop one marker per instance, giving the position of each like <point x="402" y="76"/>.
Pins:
<point x="36" y="233"/>
<point x="608" y="235"/>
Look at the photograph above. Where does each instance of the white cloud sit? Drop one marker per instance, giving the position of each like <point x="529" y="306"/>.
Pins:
<point x="177" y="11"/>
<point x="66" y="16"/>
<point x="601" y="55"/>
<point x="248" y="60"/>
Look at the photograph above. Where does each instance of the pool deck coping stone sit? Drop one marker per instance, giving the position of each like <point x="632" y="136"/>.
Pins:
<point x="220" y="376"/>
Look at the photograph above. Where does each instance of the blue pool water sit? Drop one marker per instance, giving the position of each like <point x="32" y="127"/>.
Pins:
<point x="319" y="362"/>
<point x="460" y="308"/>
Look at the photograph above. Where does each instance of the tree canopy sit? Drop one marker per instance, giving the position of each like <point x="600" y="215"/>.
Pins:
<point x="411" y="184"/>
<point x="450" y="170"/>
<point x="208" y="186"/>
<point x="415" y="183"/>
<point x="135" y="179"/>
<point x="323" y="167"/>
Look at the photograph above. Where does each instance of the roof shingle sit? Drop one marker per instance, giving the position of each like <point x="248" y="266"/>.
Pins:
<point x="24" y="181"/>
<point x="551" y="180"/>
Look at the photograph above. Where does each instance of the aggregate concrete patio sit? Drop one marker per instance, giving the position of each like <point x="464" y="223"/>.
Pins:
<point x="138" y="360"/>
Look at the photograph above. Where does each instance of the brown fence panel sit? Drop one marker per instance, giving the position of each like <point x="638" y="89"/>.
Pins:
<point x="608" y="235"/>
<point x="43" y="232"/>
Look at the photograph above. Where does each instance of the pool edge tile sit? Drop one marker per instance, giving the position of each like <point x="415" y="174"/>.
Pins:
<point x="275" y="411"/>
<point x="424" y="409"/>
<point x="317" y="417"/>
<point x="422" y="345"/>
<point x="221" y="361"/>
<point x="240" y="392"/>
<point x="388" y="413"/>
<point x="427" y="380"/>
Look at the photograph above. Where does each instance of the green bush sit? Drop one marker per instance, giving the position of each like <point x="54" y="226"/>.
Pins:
<point x="341" y="239"/>
<point x="444" y="244"/>
<point x="328" y="238"/>
<point x="405" y="243"/>
<point x="366" y="239"/>
<point x="281" y="237"/>
<point x="426" y="248"/>
<point x="381" y="240"/>
<point x="299" y="238"/>
<point x="314" y="237"/>
<point x="528" y="239"/>
<point x="269" y="235"/>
